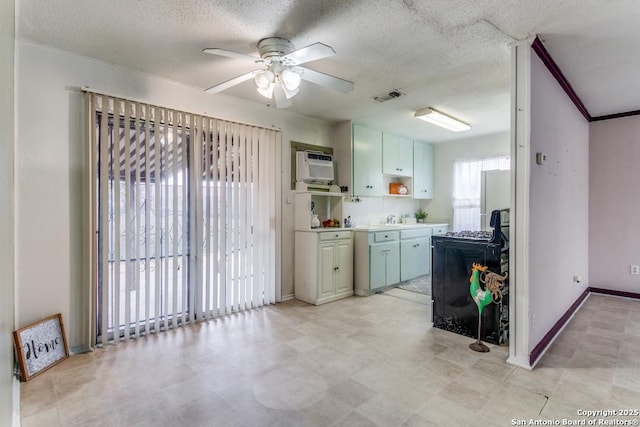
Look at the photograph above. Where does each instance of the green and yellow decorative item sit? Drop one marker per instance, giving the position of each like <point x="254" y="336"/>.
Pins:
<point x="492" y="292"/>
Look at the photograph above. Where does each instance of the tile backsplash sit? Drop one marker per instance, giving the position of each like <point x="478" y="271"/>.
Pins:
<point x="373" y="210"/>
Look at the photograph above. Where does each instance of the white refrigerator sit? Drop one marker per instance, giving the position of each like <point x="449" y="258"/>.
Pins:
<point x="495" y="194"/>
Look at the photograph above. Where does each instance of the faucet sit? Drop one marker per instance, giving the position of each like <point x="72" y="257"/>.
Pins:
<point x="391" y="219"/>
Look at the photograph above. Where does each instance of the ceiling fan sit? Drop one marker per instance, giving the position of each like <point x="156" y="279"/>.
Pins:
<point x="280" y="77"/>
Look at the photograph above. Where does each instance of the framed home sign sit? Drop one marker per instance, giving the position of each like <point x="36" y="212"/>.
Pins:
<point x="40" y="345"/>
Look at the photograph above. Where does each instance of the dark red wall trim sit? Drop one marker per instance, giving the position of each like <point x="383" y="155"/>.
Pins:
<point x="538" y="349"/>
<point x="616" y="116"/>
<point x="615" y="293"/>
<point x="553" y="68"/>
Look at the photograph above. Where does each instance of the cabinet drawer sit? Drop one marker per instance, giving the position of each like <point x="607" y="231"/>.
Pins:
<point x="414" y="233"/>
<point x="440" y="230"/>
<point x="385" y="236"/>
<point x="334" y="235"/>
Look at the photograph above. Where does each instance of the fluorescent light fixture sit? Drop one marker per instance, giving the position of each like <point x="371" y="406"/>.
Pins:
<point x="437" y="118"/>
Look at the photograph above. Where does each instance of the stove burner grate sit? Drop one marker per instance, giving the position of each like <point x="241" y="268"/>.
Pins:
<point x="475" y="235"/>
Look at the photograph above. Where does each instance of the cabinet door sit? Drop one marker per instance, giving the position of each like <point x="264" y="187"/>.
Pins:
<point x="393" y="263"/>
<point x="367" y="161"/>
<point x="377" y="265"/>
<point x="344" y="261"/>
<point x="408" y="260"/>
<point x="397" y="155"/>
<point x="326" y="269"/>
<point x="423" y="167"/>
<point x="414" y="258"/>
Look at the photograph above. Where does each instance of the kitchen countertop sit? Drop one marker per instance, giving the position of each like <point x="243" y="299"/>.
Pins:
<point x="377" y="227"/>
<point x="326" y="229"/>
<point x="387" y="227"/>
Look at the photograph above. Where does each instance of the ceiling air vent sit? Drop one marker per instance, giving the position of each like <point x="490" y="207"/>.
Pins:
<point x="388" y="96"/>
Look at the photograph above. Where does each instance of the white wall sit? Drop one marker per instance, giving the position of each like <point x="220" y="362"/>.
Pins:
<point x="373" y="210"/>
<point x="9" y="401"/>
<point x="50" y="240"/>
<point x="444" y="154"/>
<point x="614" y="203"/>
<point x="558" y="203"/>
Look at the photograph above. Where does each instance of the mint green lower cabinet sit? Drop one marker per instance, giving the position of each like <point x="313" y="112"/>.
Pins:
<point x="385" y="257"/>
<point x="376" y="261"/>
<point x="415" y="256"/>
<point x="415" y="253"/>
<point x="384" y="265"/>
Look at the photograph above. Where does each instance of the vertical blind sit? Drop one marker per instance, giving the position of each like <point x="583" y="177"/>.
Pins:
<point x="187" y="216"/>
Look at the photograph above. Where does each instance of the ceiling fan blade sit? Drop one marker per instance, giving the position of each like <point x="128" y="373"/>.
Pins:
<point x="325" y="79"/>
<point x="310" y="53"/>
<point x="232" y="54"/>
<point x="229" y="83"/>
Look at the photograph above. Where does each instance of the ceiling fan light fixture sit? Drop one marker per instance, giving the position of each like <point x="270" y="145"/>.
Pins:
<point x="440" y="119"/>
<point x="268" y="91"/>
<point x="264" y="79"/>
<point x="291" y="80"/>
<point x="289" y="93"/>
<point x="282" y="74"/>
<point x="280" y="97"/>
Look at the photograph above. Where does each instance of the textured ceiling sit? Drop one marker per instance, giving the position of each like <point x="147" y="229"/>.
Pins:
<point x="450" y="55"/>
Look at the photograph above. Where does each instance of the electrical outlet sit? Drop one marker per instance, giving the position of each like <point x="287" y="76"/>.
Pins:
<point x="577" y="279"/>
<point x="635" y="269"/>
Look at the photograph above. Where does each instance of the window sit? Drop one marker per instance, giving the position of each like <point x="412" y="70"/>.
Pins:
<point x="467" y="189"/>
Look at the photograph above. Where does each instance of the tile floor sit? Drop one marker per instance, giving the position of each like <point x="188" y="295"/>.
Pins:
<point x="371" y="361"/>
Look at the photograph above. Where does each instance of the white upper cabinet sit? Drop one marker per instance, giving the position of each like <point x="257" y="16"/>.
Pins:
<point x="397" y="155"/>
<point x="367" y="161"/>
<point x="423" y="167"/>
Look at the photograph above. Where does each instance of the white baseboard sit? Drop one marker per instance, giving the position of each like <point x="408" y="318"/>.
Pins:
<point x="80" y="349"/>
<point x="16" y="403"/>
<point x="519" y="362"/>
<point x="288" y="297"/>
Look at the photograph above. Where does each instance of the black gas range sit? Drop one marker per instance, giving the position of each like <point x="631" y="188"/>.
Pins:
<point x="453" y="256"/>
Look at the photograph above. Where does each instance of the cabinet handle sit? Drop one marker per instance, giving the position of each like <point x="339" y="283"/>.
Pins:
<point x="416" y="245"/>
<point x="386" y="250"/>
<point x="337" y="236"/>
<point x="336" y="268"/>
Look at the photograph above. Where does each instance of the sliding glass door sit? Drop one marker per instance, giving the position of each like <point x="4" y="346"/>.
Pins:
<point x="186" y="217"/>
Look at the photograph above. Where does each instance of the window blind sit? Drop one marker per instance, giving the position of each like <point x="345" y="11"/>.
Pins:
<point x="187" y="217"/>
